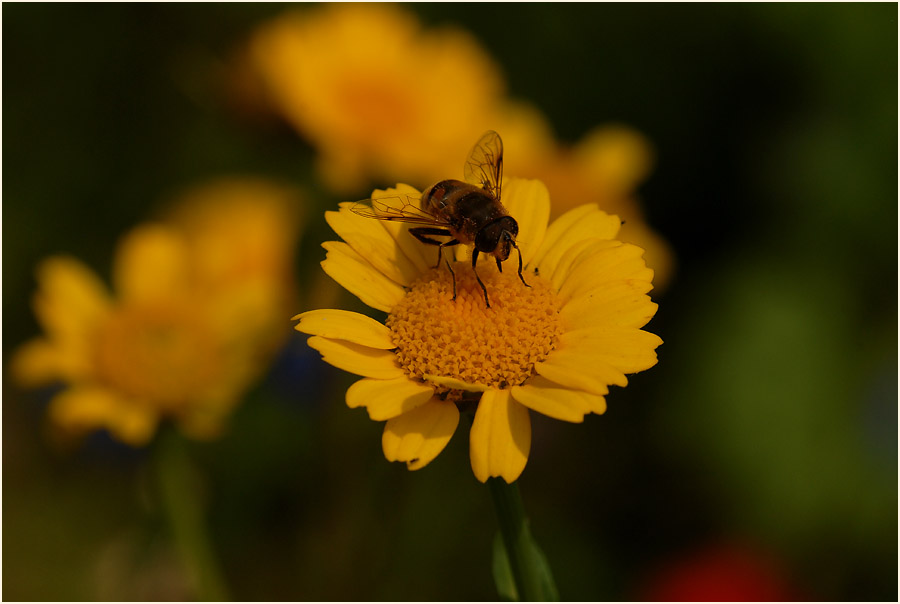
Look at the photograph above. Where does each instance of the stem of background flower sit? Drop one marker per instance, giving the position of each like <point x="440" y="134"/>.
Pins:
<point x="176" y="479"/>
<point x="529" y="569"/>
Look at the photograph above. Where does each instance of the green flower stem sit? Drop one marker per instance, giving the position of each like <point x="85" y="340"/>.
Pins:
<point x="176" y="479"/>
<point x="530" y="572"/>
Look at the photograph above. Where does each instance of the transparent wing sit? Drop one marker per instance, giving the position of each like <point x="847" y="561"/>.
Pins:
<point x="485" y="163"/>
<point x="403" y="208"/>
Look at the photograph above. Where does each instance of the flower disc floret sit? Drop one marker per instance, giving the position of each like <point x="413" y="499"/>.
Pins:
<point x="463" y="339"/>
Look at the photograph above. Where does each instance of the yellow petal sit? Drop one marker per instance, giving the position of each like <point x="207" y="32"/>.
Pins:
<point x="422" y="256"/>
<point x="84" y="409"/>
<point x="40" y="361"/>
<point x="528" y="201"/>
<point x="454" y="383"/>
<point x="500" y="439"/>
<point x="575" y="226"/>
<point x="345" y="325"/>
<point x="614" y="157"/>
<point x="71" y="300"/>
<point x="600" y="309"/>
<point x="347" y="267"/>
<point x="615" y="292"/>
<point x="418" y="436"/>
<point x="151" y="263"/>
<point x="384" y="399"/>
<point x="549" y="398"/>
<point x="625" y="349"/>
<point x="369" y="238"/>
<point x="571" y="256"/>
<point x="582" y="370"/>
<point x="658" y="253"/>
<point x="557" y="229"/>
<point x="602" y="263"/>
<point x="361" y="360"/>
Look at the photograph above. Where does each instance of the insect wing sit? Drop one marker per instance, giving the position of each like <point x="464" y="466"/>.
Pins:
<point x="403" y="208"/>
<point x="485" y="163"/>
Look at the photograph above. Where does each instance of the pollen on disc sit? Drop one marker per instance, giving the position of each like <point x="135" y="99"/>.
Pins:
<point x="462" y="338"/>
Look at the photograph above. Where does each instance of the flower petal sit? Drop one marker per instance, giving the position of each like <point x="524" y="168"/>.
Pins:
<point x="549" y="398"/>
<point x="625" y="349"/>
<point x="614" y="305"/>
<point x="345" y="325"/>
<point x="581" y="369"/>
<point x="384" y="399"/>
<point x="358" y="359"/>
<point x="83" y="409"/>
<point x="575" y="226"/>
<point x="500" y="439"/>
<point x="571" y="256"/>
<point x="151" y="263"/>
<point x="420" y="255"/>
<point x="347" y="267"/>
<point x="71" y="299"/>
<point x="41" y="361"/>
<point x="602" y="263"/>
<point x="418" y="436"/>
<point x="528" y="201"/>
<point x="455" y="384"/>
<point x="371" y="241"/>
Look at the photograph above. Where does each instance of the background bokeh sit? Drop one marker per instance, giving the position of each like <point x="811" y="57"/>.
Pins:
<point x="769" y="426"/>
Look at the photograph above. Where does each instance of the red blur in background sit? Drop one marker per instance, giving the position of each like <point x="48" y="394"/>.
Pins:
<point x="720" y="573"/>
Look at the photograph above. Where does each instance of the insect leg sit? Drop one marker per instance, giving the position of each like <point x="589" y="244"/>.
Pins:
<point x="452" y="274"/>
<point x="499" y="264"/>
<point x="421" y="233"/>
<point x="477" y="278"/>
<point x="441" y="247"/>
<point x="520" y="264"/>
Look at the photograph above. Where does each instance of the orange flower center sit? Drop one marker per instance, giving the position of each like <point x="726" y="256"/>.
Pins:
<point x="463" y="339"/>
<point x="160" y="354"/>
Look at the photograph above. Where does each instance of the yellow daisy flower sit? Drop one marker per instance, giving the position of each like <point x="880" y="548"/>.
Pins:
<point x="605" y="167"/>
<point x="553" y="347"/>
<point x="242" y="233"/>
<point x="186" y="332"/>
<point x="341" y="73"/>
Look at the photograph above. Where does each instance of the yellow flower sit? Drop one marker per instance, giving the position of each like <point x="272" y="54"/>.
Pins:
<point x="241" y="233"/>
<point x="370" y="89"/>
<point x="187" y="331"/>
<point x="605" y="167"/>
<point x="553" y="347"/>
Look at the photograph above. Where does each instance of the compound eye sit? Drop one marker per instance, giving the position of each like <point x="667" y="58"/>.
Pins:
<point x="505" y="246"/>
<point x="512" y="226"/>
<point x="488" y="238"/>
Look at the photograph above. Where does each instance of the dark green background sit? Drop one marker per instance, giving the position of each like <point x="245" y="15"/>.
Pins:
<point x="771" y="418"/>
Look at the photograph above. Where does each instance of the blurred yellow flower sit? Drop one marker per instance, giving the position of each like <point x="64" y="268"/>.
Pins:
<point x="605" y="167"/>
<point x="344" y="83"/>
<point x="190" y="326"/>
<point x="242" y="233"/>
<point x="553" y="347"/>
<point x="370" y="89"/>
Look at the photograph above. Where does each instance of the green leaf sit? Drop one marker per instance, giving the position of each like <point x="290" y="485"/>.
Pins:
<point x="520" y="568"/>
<point x="537" y="564"/>
<point x="548" y="585"/>
<point x="503" y="578"/>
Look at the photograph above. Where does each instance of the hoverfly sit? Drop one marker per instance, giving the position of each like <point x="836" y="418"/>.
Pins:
<point x="467" y="212"/>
